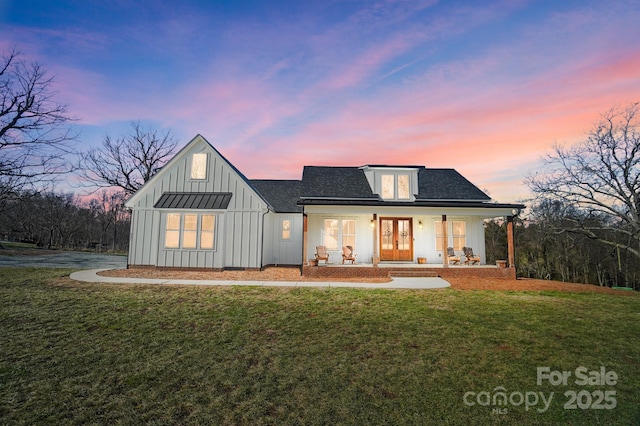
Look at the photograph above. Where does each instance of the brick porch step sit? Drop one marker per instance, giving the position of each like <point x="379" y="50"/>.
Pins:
<point x="409" y="273"/>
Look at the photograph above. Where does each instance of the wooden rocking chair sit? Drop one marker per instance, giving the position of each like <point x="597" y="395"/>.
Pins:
<point x="321" y="254"/>
<point x="471" y="258"/>
<point x="348" y="254"/>
<point x="451" y="255"/>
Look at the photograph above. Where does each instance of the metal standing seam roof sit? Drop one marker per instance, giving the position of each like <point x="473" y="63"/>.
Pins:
<point x="193" y="200"/>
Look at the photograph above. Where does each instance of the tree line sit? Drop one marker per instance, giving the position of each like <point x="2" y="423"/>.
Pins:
<point x="542" y="252"/>
<point x="64" y="221"/>
<point x="582" y="223"/>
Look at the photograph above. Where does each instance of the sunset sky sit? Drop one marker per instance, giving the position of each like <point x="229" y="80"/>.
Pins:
<point x="485" y="87"/>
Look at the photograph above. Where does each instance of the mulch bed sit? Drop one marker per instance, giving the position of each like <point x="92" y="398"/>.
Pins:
<point x="293" y="274"/>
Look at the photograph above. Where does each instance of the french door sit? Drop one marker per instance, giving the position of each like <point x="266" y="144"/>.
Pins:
<point x="396" y="239"/>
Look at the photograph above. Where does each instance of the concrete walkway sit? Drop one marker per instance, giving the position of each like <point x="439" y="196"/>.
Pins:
<point x="91" y="276"/>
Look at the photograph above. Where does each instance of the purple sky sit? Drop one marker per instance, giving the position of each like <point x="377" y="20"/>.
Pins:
<point x="485" y="87"/>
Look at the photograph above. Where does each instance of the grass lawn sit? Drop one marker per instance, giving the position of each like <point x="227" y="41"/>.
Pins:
<point x="75" y="353"/>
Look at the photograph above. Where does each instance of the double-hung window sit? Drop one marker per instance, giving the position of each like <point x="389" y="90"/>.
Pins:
<point x="457" y="234"/>
<point x="338" y="233"/>
<point x="189" y="231"/>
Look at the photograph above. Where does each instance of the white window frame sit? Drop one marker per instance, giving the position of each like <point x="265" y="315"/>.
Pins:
<point x="340" y="233"/>
<point x="394" y="190"/>
<point x="199" y="165"/>
<point x="182" y="232"/>
<point x="285" y="230"/>
<point x="456" y="241"/>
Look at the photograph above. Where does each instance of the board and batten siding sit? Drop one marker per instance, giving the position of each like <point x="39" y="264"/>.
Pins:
<point x="279" y="251"/>
<point x="238" y="229"/>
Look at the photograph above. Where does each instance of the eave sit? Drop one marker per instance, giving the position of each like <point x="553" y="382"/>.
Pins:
<point x="413" y="204"/>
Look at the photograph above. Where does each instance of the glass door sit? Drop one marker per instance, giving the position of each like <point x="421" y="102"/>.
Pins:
<point x="396" y="239"/>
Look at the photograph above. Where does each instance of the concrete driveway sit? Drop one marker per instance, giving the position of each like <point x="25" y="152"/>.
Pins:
<point x="66" y="259"/>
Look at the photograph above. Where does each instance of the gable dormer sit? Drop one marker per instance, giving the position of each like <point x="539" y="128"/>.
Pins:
<point x="393" y="183"/>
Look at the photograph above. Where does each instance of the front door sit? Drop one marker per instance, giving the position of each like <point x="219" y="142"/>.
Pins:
<point x="396" y="239"/>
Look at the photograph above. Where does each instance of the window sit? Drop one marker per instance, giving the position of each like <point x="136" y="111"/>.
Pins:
<point x="395" y="187"/>
<point x="286" y="230"/>
<point x="388" y="187"/>
<point x="330" y="240"/>
<point x="403" y="187"/>
<point x="438" y="229"/>
<point x="457" y="234"/>
<point x="459" y="231"/>
<point x="189" y="231"/>
<point x="172" y="233"/>
<point x="349" y="233"/>
<point x="206" y="231"/>
<point x="199" y="166"/>
<point x="339" y="233"/>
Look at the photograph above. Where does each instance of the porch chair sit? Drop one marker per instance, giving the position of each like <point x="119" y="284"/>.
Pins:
<point x="471" y="258"/>
<point x="321" y="254"/>
<point x="348" y="254"/>
<point x="452" y="256"/>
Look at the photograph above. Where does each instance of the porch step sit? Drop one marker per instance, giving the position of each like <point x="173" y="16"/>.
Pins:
<point x="409" y="273"/>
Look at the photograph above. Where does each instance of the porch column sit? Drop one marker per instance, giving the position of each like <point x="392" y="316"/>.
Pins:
<point x="375" y="239"/>
<point x="510" y="244"/>
<point x="305" y="228"/>
<point x="445" y="242"/>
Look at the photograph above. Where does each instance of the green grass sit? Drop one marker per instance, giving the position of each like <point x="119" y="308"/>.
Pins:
<point x="73" y="353"/>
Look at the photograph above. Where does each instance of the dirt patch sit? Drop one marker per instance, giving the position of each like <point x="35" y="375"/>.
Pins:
<point x="269" y="274"/>
<point x="293" y="274"/>
<point x="525" y="284"/>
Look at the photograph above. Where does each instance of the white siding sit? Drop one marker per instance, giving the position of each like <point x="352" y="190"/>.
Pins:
<point x="238" y="232"/>
<point x="280" y="251"/>
<point x="424" y="239"/>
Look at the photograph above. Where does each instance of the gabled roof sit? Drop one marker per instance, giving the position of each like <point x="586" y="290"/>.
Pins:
<point x="176" y="158"/>
<point x="282" y="195"/>
<point x="335" y="182"/>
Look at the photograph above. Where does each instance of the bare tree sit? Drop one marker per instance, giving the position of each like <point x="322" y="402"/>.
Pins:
<point x="600" y="177"/>
<point x="34" y="133"/>
<point x="128" y="161"/>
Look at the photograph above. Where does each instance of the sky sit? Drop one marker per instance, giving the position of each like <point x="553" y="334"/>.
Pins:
<point x="484" y="87"/>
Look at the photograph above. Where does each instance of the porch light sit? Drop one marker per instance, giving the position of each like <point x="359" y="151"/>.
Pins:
<point x="373" y="223"/>
<point x="420" y="224"/>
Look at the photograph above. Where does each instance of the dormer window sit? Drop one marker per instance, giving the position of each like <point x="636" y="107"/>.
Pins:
<point x="388" y="187"/>
<point x="199" y="165"/>
<point x="395" y="187"/>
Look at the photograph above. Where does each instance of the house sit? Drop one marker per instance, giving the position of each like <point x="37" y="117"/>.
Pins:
<point x="199" y="211"/>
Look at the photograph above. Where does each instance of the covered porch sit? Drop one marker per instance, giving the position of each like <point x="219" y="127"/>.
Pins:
<point x="395" y="243"/>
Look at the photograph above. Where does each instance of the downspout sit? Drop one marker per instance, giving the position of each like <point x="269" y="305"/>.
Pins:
<point x="305" y="225"/>
<point x="262" y="240"/>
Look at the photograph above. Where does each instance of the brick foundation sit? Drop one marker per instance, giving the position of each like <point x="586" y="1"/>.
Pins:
<point x="329" y="272"/>
<point x="371" y="272"/>
<point x="350" y="272"/>
<point x="504" y="273"/>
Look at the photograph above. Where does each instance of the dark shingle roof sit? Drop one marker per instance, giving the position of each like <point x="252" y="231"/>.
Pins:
<point x="349" y="186"/>
<point x="192" y="200"/>
<point x="282" y="195"/>
<point x="447" y="184"/>
<point x="335" y="182"/>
